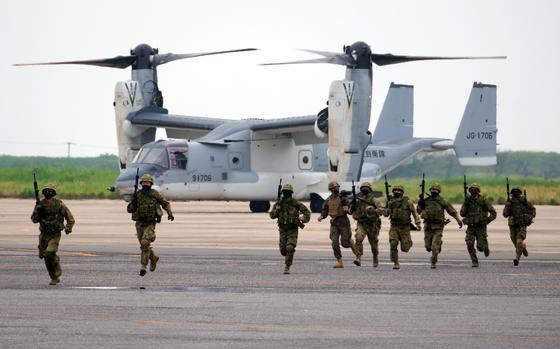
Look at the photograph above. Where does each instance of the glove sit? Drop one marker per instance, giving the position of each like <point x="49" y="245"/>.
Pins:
<point x="170" y="217"/>
<point x="460" y="224"/>
<point x="39" y="209"/>
<point x="418" y="226"/>
<point x="67" y="231"/>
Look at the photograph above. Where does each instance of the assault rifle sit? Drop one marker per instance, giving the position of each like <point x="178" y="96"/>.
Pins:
<point x="465" y="186"/>
<point x="354" y="198"/>
<point x="279" y="192"/>
<point x="387" y="195"/>
<point x="421" y="202"/>
<point x="36" y="190"/>
<point x="136" y="179"/>
<point x="507" y="189"/>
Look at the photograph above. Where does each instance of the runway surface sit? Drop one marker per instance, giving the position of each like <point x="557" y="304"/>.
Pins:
<point x="219" y="284"/>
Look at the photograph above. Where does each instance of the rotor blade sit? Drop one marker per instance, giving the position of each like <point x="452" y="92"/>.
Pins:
<point x="339" y="59"/>
<point x="169" y="57"/>
<point x="387" y="58"/>
<point x="115" y="62"/>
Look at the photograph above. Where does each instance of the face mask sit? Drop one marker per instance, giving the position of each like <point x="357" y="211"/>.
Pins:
<point x="49" y="194"/>
<point x="287" y="194"/>
<point x="474" y="192"/>
<point x="516" y="194"/>
<point x="434" y="194"/>
<point x="146" y="187"/>
<point x="397" y="194"/>
<point x="334" y="191"/>
<point x="364" y="191"/>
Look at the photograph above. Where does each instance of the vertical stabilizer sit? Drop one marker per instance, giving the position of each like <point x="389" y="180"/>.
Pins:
<point x="396" y="121"/>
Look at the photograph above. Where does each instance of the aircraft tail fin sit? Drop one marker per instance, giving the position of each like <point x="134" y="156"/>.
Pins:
<point x="396" y="121"/>
<point x="475" y="142"/>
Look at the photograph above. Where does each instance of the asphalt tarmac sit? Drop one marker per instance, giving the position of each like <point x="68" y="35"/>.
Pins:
<point x="219" y="285"/>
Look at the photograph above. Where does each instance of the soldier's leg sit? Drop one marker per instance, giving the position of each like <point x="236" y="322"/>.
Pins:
<point x="43" y="243"/>
<point x="405" y="239"/>
<point x="291" y="243"/>
<point x="482" y="240"/>
<point x="436" y="245"/>
<point x="373" y="238"/>
<point x="282" y="241"/>
<point x="360" y="236"/>
<point x="346" y="236"/>
<point x="469" y="239"/>
<point x="335" y="237"/>
<point x="394" y="244"/>
<point x="50" y="254"/>
<point x="428" y="237"/>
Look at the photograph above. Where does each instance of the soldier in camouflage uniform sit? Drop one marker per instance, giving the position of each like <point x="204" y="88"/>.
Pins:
<point x="432" y="210"/>
<point x="520" y="214"/>
<point x="146" y="211"/>
<point x="399" y="210"/>
<point x="478" y="212"/>
<point x="336" y="207"/>
<point x="366" y="212"/>
<point x="291" y="214"/>
<point x="50" y="213"/>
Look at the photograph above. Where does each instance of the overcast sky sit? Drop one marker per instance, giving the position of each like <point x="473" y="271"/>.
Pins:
<point x="44" y="107"/>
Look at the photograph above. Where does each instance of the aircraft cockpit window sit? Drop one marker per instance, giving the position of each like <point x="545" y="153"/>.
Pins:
<point x="178" y="157"/>
<point x="157" y="156"/>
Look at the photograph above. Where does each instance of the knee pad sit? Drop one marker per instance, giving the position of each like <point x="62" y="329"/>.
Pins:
<point x="394" y="244"/>
<point x="290" y="248"/>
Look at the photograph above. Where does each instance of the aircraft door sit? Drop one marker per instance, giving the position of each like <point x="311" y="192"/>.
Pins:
<point x="305" y="159"/>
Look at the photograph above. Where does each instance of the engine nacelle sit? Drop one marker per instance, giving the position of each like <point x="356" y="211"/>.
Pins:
<point x="321" y="127"/>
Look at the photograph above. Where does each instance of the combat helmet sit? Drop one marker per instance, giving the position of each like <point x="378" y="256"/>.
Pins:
<point x="435" y="187"/>
<point x="287" y="187"/>
<point x="398" y="187"/>
<point x="518" y="189"/>
<point x="333" y="185"/>
<point x="48" y="186"/>
<point x="366" y="185"/>
<point x="475" y="186"/>
<point x="147" y="178"/>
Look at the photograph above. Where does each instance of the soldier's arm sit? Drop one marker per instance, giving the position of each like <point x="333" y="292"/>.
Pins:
<point x="324" y="210"/>
<point x="68" y="216"/>
<point x="164" y="203"/>
<point x="532" y="210"/>
<point x="492" y="212"/>
<point x="305" y="212"/>
<point x="273" y="212"/>
<point x="345" y="204"/>
<point x="452" y="212"/>
<point x="414" y="214"/>
<point x="35" y="216"/>
<point x="131" y="207"/>
<point x="378" y="206"/>
<point x="507" y="209"/>
<point x="463" y="211"/>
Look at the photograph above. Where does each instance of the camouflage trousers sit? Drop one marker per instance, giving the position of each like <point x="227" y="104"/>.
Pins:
<point x="48" y="246"/>
<point x="371" y="230"/>
<point x="479" y="234"/>
<point x="518" y="235"/>
<point x="288" y="242"/>
<point x="433" y="235"/>
<point x="341" y="234"/>
<point x="146" y="233"/>
<point x="399" y="233"/>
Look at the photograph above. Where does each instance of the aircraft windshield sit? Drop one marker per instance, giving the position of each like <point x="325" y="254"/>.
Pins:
<point x="157" y="156"/>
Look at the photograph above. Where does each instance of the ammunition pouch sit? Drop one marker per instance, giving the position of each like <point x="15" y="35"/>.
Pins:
<point x="523" y="220"/>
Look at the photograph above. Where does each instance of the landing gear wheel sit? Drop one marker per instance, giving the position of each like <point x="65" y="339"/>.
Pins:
<point x="316" y="203"/>
<point x="259" y="206"/>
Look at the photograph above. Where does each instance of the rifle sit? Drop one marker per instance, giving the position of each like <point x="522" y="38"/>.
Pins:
<point x="354" y="199"/>
<point x="465" y="186"/>
<point x="136" y="179"/>
<point x="507" y="189"/>
<point x="387" y="186"/>
<point x="36" y="189"/>
<point x="421" y="202"/>
<point x="279" y="192"/>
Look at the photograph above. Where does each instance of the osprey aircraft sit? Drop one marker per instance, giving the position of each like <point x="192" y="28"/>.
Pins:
<point x="220" y="159"/>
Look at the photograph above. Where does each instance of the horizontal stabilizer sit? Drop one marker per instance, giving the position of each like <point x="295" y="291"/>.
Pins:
<point x="475" y="142"/>
<point x="396" y="120"/>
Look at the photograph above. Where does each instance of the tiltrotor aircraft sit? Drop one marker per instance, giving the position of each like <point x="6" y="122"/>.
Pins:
<point x="220" y="159"/>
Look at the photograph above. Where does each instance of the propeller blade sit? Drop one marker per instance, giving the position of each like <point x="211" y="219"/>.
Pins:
<point x="387" y="58"/>
<point x="169" y="57"/>
<point x="339" y="59"/>
<point x="115" y="62"/>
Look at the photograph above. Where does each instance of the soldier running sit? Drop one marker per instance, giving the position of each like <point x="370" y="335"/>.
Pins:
<point x="520" y="214"/>
<point x="336" y="207"/>
<point x="367" y="213"/>
<point x="432" y="210"/>
<point x="50" y="213"/>
<point x="146" y="211"/>
<point x="399" y="210"/>
<point x="478" y="212"/>
<point x="291" y="214"/>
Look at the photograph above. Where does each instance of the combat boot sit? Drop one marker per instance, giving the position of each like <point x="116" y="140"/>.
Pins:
<point x="153" y="262"/>
<point x="358" y="260"/>
<point x="54" y="281"/>
<point x="516" y="262"/>
<point x="525" y="252"/>
<point x="338" y="264"/>
<point x="396" y="265"/>
<point x="142" y="272"/>
<point x="475" y="264"/>
<point x="375" y="261"/>
<point x="486" y="251"/>
<point x="286" y="269"/>
<point x="433" y="266"/>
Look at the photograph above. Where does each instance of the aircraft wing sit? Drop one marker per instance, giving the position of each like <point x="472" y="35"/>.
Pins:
<point x="176" y="126"/>
<point x="300" y="128"/>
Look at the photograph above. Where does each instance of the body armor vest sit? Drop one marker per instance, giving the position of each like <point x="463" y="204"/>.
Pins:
<point x="52" y="220"/>
<point x="433" y="211"/>
<point x="400" y="214"/>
